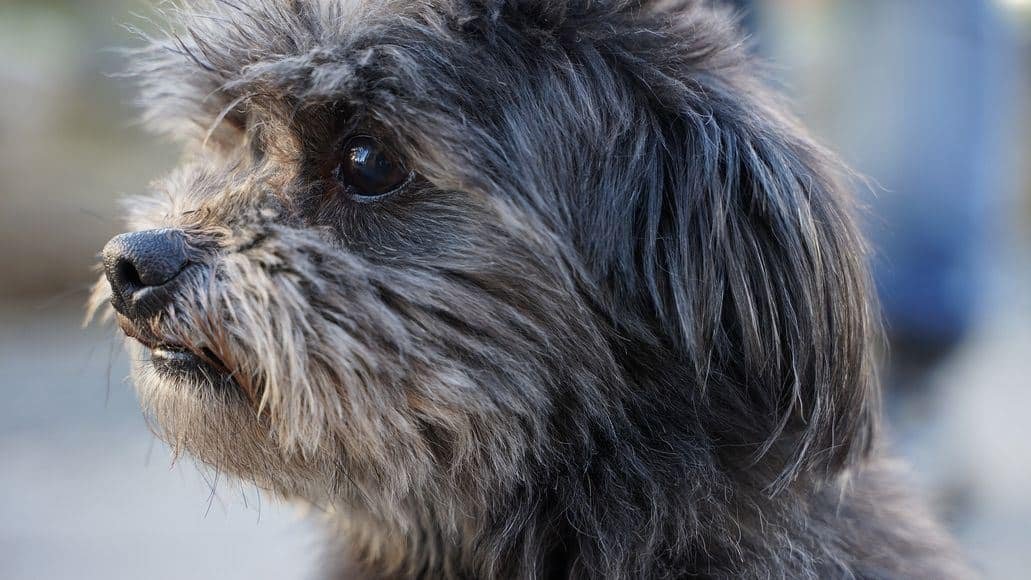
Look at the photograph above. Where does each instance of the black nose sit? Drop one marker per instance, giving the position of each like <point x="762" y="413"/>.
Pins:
<point x="140" y="267"/>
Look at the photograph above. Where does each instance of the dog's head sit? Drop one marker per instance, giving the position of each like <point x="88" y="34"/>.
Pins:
<point x="459" y="244"/>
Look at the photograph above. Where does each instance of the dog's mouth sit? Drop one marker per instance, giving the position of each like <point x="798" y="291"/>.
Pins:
<point x="174" y="360"/>
<point x="177" y="361"/>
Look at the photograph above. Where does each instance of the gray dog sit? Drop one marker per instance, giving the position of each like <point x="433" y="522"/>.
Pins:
<point x="512" y="289"/>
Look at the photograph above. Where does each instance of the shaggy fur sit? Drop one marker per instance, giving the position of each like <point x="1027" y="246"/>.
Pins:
<point x="617" y="327"/>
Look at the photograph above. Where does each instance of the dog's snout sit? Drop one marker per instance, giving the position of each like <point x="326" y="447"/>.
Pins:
<point x="140" y="266"/>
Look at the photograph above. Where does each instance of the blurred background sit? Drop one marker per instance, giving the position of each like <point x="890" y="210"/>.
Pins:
<point x="928" y="98"/>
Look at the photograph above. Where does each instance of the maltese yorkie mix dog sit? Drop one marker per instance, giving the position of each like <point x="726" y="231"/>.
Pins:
<point x="523" y="289"/>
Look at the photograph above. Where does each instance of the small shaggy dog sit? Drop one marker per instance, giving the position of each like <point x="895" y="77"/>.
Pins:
<point x="512" y="289"/>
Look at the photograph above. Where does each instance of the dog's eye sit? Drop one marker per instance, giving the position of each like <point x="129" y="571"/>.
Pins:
<point x="369" y="170"/>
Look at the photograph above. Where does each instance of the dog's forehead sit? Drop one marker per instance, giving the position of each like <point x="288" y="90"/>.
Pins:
<point x="217" y="56"/>
<point x="308" y="50"/>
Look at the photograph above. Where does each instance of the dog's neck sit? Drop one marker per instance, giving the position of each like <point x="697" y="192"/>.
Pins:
<point x="626" y="503"/>
<point x="589" y="529"/>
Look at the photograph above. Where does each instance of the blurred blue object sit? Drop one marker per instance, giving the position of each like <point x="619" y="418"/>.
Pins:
<point x="925" y="108"/>
<point x="939" y="151"/>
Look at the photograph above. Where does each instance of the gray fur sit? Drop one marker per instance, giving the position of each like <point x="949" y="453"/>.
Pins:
<point x="620" y="326"/>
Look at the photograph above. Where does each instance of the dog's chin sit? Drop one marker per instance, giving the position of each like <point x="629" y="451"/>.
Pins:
<point x="200" y="416"/>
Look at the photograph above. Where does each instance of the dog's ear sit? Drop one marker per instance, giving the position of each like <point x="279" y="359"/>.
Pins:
<point x="760" y="277"/>
<point x="754" y="267"/>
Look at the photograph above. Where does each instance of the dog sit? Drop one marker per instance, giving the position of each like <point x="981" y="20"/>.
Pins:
<point x="512" y="289"/>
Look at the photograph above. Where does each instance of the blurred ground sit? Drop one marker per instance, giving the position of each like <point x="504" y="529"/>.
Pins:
<point x="86" y="492"/>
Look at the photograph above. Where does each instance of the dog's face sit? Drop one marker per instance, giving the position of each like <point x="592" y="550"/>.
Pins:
<point x="453" y="245"/>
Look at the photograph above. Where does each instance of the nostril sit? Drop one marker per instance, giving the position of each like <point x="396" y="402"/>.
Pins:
<point x="127" y="274"/>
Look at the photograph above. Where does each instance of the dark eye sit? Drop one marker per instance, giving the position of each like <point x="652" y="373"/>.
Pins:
<point x="368" y="169"/>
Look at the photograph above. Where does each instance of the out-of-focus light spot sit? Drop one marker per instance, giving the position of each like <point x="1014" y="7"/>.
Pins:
<point x="1015" y="4"/>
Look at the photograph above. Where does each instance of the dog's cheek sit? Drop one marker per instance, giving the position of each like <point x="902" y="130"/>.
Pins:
<point x="464" y="433"/>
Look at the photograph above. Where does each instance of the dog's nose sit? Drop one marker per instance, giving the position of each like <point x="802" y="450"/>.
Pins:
<point x="140" y="266"/>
